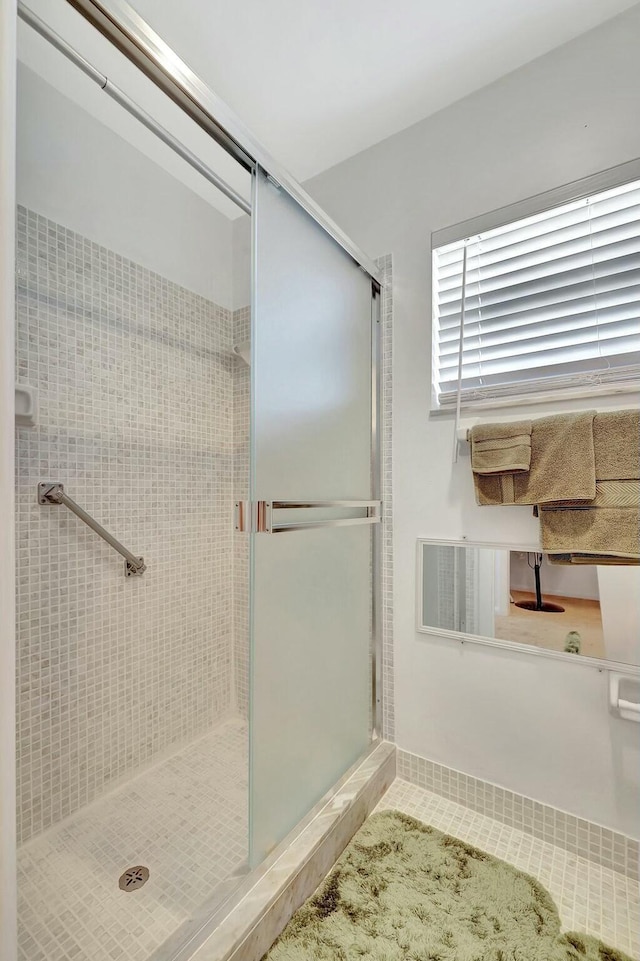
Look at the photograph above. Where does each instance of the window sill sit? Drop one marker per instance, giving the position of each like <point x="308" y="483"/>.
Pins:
<point x="625" y="392"/>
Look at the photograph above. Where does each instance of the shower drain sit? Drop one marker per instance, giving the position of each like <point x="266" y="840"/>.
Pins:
<point x="133" y="878"/>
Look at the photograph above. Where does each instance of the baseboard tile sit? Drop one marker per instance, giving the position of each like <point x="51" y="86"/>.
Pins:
<point x="581" y="837"/>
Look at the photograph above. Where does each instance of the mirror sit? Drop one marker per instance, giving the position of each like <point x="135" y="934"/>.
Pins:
<point x="518" y="596"/>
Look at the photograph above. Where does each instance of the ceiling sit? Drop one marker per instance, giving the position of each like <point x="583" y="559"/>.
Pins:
<point x="317" y="82"/>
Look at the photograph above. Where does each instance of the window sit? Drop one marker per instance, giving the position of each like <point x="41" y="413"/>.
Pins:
<point x="551" y="301"/>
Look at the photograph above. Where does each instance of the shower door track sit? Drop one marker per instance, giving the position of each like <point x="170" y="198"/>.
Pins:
<point x="133" y="36"/>
<point x="37" y="24"/>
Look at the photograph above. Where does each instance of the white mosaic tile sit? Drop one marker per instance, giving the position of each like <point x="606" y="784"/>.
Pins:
<point x="584" y="838"/>
<point x="185" y="818"/>
<point x="589" y="897"/>
<point x="134" y="375"/>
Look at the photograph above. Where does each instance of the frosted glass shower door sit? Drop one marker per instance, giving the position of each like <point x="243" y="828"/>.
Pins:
<point x="311" y="444"/>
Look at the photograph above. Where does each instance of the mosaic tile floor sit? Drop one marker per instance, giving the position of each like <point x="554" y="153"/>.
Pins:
<point x="589" y="897"/>
<point x="185" y="819"/>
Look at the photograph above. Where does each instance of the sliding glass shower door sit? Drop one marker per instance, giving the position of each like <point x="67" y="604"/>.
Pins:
<point x="313" y="502"/>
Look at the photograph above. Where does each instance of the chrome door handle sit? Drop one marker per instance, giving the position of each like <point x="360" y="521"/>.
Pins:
<point x="257" y="516"/>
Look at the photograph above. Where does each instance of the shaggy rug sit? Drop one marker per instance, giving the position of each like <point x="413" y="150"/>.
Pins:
<point x="402" y="891"/>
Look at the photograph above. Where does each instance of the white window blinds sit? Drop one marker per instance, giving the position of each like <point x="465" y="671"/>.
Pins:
<point x="552" y="301"/>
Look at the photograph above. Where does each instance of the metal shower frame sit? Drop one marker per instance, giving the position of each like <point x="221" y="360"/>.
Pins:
<point x="126" y="30"/>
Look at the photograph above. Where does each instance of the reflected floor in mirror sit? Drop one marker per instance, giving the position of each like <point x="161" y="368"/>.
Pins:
<point x="550" y="630"/>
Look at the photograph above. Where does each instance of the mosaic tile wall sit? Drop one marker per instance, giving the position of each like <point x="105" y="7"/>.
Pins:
<point x="580" y="837"/>
<point x="116" y="670"/>
<point x="135" y="380"/>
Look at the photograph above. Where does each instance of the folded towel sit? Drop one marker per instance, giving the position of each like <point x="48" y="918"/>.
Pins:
<point x="605" y="530"/>
<point x="616" y="441"/>
<point x="601" y="560"/>
<point x="609" y="493"/>
<point x="562" y="465"/>
<point x="501" y="448"/>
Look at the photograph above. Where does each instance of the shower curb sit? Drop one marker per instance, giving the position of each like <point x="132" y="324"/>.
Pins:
<point x="266" y="899"/>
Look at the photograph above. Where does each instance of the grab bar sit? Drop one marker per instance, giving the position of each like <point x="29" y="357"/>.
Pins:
<point x="49" y="493"/>
<point x="257" y="516"/>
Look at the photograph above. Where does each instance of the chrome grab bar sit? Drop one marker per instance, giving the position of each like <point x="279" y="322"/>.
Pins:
<point x="257" y="516"/>
<point x="49" y="493"/>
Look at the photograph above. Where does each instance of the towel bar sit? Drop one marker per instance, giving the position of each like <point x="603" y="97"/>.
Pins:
<point x="257" y="516"/>
<point x="620" y="705"/>
<point x="628" y="707"/>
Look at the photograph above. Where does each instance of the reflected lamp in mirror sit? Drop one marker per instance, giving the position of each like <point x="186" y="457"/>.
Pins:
<point x="516" y="598"/>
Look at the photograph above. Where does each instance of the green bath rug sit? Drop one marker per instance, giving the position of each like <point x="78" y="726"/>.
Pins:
<point x="402" y="891"/>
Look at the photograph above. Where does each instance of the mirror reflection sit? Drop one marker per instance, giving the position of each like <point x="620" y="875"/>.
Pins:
<point x="521" y="596"/>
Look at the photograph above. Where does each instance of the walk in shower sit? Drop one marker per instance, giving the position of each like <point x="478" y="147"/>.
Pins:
<point x="197" y="536"/>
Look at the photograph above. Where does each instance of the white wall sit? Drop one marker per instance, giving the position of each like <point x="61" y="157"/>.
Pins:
<point x="8" y="912"/>
<point x="79" y="173"/>
<point x="532" y="724"/>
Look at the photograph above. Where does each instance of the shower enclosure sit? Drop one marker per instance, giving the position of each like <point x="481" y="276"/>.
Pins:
<point x="180" y="710"/>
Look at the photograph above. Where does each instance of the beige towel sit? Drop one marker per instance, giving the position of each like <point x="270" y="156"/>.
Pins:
<point x="602" y="560"/>
<point x="616" y="439"/>
<point x="614" y="532"/>
<point x="607" y="529"/>
<point x="562" y="465"/>
<point x="501" y="448"/>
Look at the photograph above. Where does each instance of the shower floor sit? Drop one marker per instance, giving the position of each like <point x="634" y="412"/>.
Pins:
<point x="185" y="819"/>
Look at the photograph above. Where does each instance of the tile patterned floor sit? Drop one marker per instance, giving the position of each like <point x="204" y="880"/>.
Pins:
<point x="589" y="897"/>
<point x="185" y="818"/>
